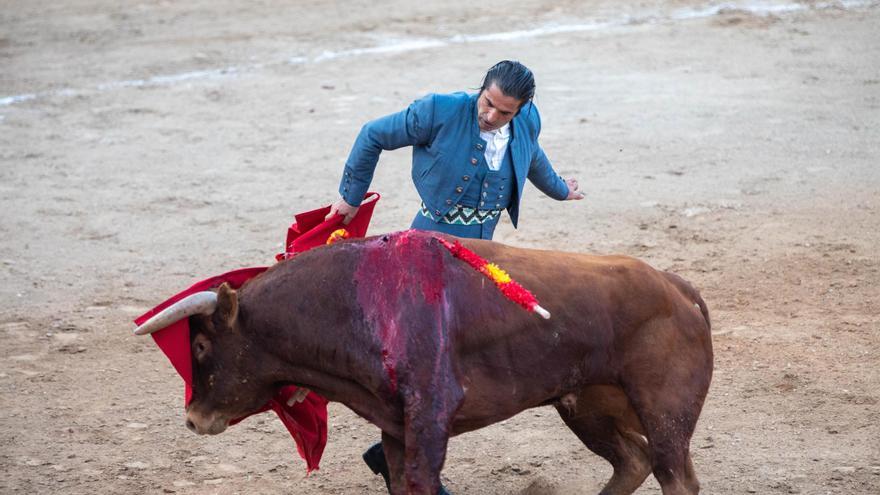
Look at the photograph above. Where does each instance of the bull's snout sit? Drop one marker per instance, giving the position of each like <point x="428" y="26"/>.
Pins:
<point x="205" y="425"/>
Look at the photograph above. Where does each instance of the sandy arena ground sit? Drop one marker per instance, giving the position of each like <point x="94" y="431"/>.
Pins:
<point x="144" y="146"/>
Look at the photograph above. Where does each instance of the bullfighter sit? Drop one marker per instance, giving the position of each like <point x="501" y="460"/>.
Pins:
<point x="472" y="154"/>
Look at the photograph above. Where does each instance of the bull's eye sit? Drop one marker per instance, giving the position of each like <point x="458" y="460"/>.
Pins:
<point x="201" y="345"/>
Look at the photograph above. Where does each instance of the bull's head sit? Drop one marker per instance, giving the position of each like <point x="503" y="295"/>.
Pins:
<point x="226" y="379"/>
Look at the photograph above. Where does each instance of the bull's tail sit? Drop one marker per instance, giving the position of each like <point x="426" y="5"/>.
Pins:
<point x="693" y="294"/>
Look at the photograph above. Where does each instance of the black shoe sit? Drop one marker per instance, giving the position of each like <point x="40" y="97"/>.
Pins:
<point x="375" y="459"/>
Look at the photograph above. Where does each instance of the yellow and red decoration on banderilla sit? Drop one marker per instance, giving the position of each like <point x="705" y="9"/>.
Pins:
<point x="338" y="235"/>
<point x="512" y="290"/>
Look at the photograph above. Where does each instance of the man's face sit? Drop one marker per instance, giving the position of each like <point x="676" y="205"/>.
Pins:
<point x="494" y="108"/>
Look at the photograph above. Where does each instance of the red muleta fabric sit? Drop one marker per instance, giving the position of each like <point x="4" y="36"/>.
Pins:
<point x="306" y="421"/>
<point x="309" y="229"/>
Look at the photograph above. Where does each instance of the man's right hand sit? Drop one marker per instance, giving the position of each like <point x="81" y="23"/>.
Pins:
<point x="342" y="208"/>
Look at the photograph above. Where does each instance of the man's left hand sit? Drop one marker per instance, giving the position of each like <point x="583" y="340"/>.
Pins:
<point x="573" y="192"/>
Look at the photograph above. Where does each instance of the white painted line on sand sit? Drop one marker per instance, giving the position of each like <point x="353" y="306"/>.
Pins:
<point x="761" y="8"/>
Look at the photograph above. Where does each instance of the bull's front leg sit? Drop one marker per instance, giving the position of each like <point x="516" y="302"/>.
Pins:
<point x="425" y="387"/>
<point x="415" y="461"/>
<point x="394" y="456"/>
<point x="414" y="464"/>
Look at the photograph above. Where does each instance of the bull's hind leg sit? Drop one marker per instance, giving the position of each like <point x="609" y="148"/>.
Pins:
<point x="669" y="434"/>
<point x="602" y="418"/>
<point x="668" y="394"/>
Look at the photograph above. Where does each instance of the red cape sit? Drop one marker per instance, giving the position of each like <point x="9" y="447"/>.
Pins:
<point x="306" y="421"/>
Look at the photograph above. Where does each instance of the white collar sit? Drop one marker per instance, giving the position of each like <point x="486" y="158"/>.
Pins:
<point x="503" y="131"/>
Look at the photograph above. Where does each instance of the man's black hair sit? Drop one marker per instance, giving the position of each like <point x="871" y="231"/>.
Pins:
<point x="513" y="79"/>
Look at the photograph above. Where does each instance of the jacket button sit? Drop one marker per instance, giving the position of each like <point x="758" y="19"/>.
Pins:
<point x="500" y="196"/>
<point x="501" y="187"/>
<point x="497" y="206"/>
<point x="466" y="178"/>
<point x="482" y="203"/>
<point x="484" y="194"/>
<point x="473" y="161"/>
<point x="459" y="189"/>
<point x="449" y="201"/>
<point x="485" y="184"/>
<point x="479" y="146"/>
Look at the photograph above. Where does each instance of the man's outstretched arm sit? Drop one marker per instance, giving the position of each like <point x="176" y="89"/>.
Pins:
<point x="406" y="128"/>
<point x="542" y="175"/>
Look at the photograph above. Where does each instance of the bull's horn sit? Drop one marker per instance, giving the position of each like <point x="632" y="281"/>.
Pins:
<point x="298" y="396"/>
<point x="198" y="303"/>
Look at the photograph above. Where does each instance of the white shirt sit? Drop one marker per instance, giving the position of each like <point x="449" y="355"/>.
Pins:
<point x="496" y="146"/>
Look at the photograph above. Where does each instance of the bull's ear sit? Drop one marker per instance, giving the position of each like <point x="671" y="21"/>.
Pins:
<point x="227" y="303"/>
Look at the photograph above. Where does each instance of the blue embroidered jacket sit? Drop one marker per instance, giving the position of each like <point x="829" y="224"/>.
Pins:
<point x="447" y="148"/>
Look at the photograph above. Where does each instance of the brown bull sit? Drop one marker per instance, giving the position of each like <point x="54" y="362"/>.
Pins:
<point x="423" y="346"/>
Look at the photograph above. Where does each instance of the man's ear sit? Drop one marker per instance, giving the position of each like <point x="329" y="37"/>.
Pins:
<point x="227" y="303"/>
